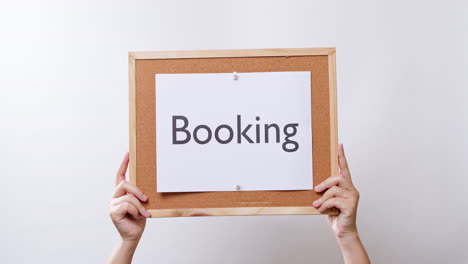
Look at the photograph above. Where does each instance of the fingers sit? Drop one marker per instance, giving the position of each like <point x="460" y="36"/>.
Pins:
<point x="125" y="187"/>
<point x="120" y="211"/>
<point x="342" y="162"/>
<point x="127" y="196"/>
<point x="130" y="209"/>
<point x="339" y="192"/>
<point x="339" y="203"/>
<point x="344" y="180"/>
<point x="334" y="191"/>
<point x="332" y="181"/>
<point x="345" y="200"/>
<point x="122" y="170"/>
<point x="130" y="198"/>
<point x="347" y="206"/>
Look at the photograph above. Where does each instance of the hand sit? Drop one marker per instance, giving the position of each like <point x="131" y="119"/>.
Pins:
<point x="340" y="193"/>
<point x="128" y="215"/>
<point x="126" y="211"/>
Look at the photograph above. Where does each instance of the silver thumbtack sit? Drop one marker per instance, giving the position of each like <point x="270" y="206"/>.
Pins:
<point x="235" y="76"/>
<point x="237" y="188"/>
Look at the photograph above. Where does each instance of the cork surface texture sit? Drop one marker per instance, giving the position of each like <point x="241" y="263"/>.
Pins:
<point x="145" y="125"/>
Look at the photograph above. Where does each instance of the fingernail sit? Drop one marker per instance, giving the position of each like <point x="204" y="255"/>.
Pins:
<point x="148" y="213"/>
<point x="316" y="203"/>
<point x="318" y="187"/>
<point x="144" y="197"/>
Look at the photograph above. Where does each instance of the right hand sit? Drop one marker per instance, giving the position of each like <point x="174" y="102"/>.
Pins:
<point x="339" y="192"/>
<point x="126" y="211"/>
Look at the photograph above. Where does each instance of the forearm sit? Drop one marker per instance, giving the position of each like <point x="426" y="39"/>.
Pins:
<point x="352" y="249"/>
<point x="123" y="252"/>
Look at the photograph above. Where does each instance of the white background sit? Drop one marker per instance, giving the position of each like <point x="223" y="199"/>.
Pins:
<point x="402" y="98"/>
<point x="213" y="99"/>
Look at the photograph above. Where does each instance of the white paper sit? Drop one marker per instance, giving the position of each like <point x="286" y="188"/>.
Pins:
<point x="213" y="99"/>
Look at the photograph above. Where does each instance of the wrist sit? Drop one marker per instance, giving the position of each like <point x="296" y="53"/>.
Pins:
<point x="128" y="244"/>
<point x="347" y="239"/>
<point x="126" y="248"/>
<point x="352" y="249"/>
<point x="348" y="232"/>
<point x="123" y="252"/>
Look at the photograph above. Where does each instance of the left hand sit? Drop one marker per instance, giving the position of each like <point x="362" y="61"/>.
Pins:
<point x="126" y="209"/>
<point x="340" y="193"/>
<point x="128" y="215"/>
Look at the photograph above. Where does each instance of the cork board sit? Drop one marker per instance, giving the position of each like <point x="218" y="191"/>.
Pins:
<point x="142" y="69"/>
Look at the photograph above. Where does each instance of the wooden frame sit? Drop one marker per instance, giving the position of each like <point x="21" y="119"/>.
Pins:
<point x="329" y="52"/>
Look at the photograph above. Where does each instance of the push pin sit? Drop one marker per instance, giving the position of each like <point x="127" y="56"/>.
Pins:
<point x="235" y="76"/>
<point x="237" y="187"/>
